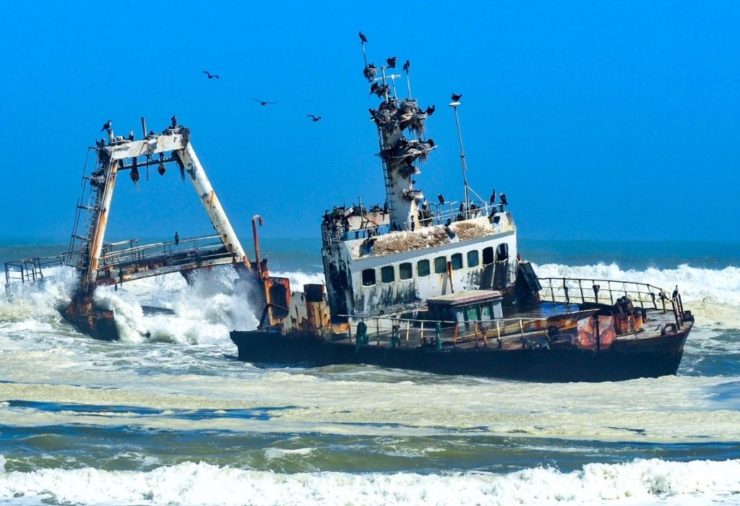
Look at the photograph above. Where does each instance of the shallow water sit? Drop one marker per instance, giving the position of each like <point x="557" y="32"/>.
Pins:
<point x="175" y="418"/>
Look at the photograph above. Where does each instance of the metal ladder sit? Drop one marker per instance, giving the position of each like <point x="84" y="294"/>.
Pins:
<point x="85" y="211"/>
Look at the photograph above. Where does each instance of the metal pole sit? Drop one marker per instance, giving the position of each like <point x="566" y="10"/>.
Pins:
<point x="256" y="220"/>
<point x="463" y="163"/>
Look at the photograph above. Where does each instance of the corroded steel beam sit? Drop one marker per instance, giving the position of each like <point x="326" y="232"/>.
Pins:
<point x="212" y="205"/>
<point x="151" y="145"/>
<point x="100" y="223"/>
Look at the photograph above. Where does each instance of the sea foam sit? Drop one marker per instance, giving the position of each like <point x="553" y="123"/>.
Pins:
<point x="207" y="310"/>
<point x="641" y="482"/>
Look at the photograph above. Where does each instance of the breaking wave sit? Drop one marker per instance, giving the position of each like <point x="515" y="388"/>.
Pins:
<point x="205" y="311"/>
<point x="711" y="294"/>
<point x="639" y="482"/>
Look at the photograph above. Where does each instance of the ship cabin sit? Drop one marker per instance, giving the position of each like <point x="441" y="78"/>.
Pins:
<point x="371" y="269"/>
<point x="393" y="259"/>
<point x="466" y="308"/>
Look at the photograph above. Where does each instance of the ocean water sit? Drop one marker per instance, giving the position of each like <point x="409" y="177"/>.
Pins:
<point x="175" y="419"/>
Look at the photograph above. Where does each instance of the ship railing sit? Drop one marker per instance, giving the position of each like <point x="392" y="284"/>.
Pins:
<point x="607" y="291"/>
<point x="440" y="214"/>
<point x="452" y="211"/>
<point x="204" y="247"/>
<point x="599" y="291"/>
<point x="414" y="332"/>
<point x="33" y="269"/>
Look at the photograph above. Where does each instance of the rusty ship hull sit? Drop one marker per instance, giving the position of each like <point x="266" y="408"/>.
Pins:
<point x="626" y="359"/>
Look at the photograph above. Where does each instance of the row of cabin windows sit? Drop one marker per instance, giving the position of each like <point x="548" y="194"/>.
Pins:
<point x="423" y="267"/>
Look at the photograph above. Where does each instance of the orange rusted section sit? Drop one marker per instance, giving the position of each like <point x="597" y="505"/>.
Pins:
<point x="607" y="332"/>
<point x="101" y="223"/>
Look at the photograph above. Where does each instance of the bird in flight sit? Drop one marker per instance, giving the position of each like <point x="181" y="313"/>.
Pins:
<point x="363" y="39"/>
<point x="211" y="76"/>
<point x="313" y="117"/>
<point x="430" y="110"/>
<point x="263" y="102"/>
<point x="108" y="125"/>
<point x="456" y="97"/>
<point x="392" y="62"/>
<point x="407" y="66"/>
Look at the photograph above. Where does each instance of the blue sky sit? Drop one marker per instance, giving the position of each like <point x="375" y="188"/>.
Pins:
<point x="600" y="120"/>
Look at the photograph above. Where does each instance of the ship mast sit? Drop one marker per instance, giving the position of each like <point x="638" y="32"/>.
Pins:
<point x="463" y="163"/>
<point x="398" y="154"/>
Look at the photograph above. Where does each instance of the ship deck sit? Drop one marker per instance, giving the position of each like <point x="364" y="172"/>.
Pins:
<point x="509" y="334"/>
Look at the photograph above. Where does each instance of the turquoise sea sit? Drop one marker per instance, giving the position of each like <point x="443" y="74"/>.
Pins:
<point x="175" y="419"/>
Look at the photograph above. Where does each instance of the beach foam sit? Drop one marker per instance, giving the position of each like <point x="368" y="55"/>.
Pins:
<point x="642" y="482"/>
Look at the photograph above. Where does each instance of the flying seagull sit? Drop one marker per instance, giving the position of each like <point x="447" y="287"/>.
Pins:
<point x="392" y="62"/>
<point x="363" y="39"/>
<point x="456" y="97"/>
<point x="263" y="102"/>
<point x="314" y="118"/>
<point x="430" y="110"/>
<point x="407" y="66"/>
<point x="108" y="125"/>
<point x="211" y="76"/>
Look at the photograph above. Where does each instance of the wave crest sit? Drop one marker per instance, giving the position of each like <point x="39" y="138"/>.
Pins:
<point x="639" y="482"/>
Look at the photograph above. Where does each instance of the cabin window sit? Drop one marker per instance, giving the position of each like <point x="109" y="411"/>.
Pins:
<point x="473" y="258"/>
<point x="405" y="271"/>
<point x="472" y="315"/>
<point x="502" y="252"/>
<point x="486" y="313"/>
<point x="440" y="265"/>
<point x="387" y="275"/>
<point x="457" y="262"/>
<point x="422" y="268"/>
<point x="488" y="255"/>
<point x="368" y="277"/>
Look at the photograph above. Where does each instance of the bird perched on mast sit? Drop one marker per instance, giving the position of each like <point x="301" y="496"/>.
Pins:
<point x="456" y="97"/>
<point x="363" y="40"/>
<point x="370" y="72"/>
<point x="407" y="66"/>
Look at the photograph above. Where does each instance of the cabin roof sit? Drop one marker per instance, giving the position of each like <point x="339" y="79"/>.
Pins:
<point x="427" y="237"/>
